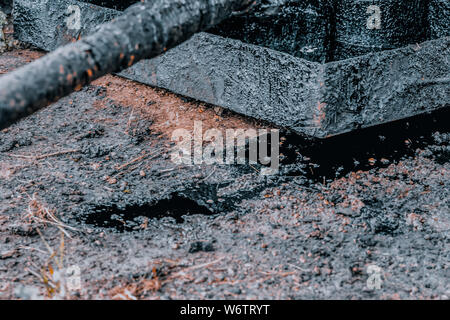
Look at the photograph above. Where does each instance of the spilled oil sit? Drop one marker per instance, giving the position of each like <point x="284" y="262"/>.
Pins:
<point x="367" y="149"/>
<point x="132" y="217"/>
<point x="317" y="161"/>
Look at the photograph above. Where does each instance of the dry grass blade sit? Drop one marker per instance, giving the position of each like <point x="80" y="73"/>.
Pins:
<point x="43" y="156"/>
<point x="52" y="273"/>
<point x="37" y="214"/>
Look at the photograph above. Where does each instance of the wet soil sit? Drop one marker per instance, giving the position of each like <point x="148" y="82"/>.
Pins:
<point x="141" y="226"/>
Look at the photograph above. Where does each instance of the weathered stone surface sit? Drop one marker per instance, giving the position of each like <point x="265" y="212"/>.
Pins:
<point x="299" y="28"/>
<point x="439" y="18"/>
<point x="44" y="24"/>
<point x="386" y="86"/>
<point x="251" y="80"/>
<point x="373" y="25"/>
<point x="318" y="99"/>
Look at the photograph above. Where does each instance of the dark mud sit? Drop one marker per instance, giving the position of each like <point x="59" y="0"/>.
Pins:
<point x="99" y="159"/>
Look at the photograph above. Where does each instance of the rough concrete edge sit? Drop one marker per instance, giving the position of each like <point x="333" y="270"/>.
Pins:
<point x="311" y="112"/>
<point x="374" y="87"/>
<point x="240" y="80"/>
<point x="56" y="12"/>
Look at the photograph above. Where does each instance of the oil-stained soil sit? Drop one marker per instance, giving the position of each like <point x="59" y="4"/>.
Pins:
<point x="96" y="167"/>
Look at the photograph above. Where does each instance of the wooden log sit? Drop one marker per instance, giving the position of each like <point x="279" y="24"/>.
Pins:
<point x="145" y="30"/>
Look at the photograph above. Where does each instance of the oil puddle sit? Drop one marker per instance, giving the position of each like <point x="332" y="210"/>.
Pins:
<point x="366" y="149"/>
<point x="132" y="217"/>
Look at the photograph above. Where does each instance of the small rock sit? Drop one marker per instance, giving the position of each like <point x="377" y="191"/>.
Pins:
<point x="236" y="290"/>
<point x="27" y="293"/>
<point x="7" y="254"/>
<point x="218" y="110"/>
<point x="7" y="195"/>
<point x="348" y="212"/>
<point x="76" y="198"/>
<point x="111" y="180"/>
<point x="198" y="246"/>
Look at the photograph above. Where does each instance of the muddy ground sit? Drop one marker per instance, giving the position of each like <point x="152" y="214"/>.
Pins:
<point x="90" y="179"/>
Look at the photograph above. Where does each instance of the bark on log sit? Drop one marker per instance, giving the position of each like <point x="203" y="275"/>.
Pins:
<point x="145" y="30"/>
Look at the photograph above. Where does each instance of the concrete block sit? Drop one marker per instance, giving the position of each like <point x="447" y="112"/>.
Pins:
<point x="305" y="81"/>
